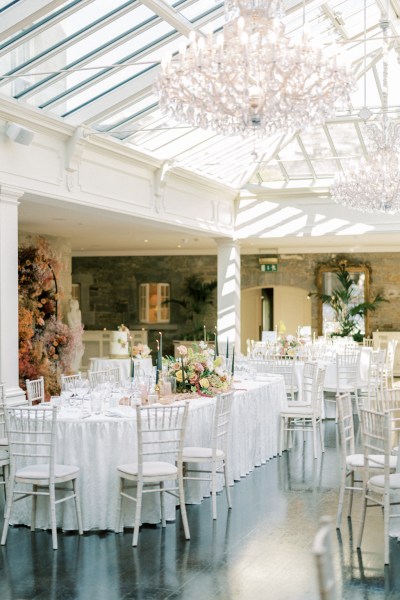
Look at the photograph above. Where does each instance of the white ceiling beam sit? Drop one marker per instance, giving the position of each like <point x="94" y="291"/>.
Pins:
<point x="170" y="15"/>
<point x="23" y="13"/>
<point x="114" y="101"/>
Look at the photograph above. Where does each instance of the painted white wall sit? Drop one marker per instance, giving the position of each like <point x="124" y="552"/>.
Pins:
<point x="250" y="316"/>
<point x="291" y="307"/>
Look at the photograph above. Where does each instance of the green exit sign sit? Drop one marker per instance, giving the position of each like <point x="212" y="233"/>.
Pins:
<point x="269" y="268"/>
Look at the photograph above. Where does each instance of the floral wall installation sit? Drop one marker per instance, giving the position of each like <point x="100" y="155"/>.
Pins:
<point x="46" y="344"/>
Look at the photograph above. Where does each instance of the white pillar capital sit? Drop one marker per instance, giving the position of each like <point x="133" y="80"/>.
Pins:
<point x="10" y="194"/>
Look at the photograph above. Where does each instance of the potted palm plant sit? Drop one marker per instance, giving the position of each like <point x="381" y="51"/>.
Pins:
<point x="197" y="298"/>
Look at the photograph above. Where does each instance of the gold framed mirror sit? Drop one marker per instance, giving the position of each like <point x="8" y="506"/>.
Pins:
<point x="328" y="282"/>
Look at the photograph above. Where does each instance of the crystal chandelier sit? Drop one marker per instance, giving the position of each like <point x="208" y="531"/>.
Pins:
<point x="252" y="78"/>
<point x="373" y="183"/>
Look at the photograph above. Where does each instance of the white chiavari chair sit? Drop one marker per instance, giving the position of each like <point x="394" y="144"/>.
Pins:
<point x="347" y="376"/>
<point x="33" y="470"/>
<point x="98" y="377"/>
<point x="160" y="433"/>
<point x="216" y="453"/>
<point x="35" y="391"/>
<point x="352" y="463"/>
<point x="379" y="432"/>
<point x="324" y="560"/>
<point x="305" y="416"/>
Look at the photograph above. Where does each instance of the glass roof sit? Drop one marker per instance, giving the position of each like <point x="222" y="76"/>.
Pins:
<point x="94" y="63"/>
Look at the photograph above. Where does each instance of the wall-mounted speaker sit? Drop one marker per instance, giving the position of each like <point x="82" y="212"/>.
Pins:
<point x="19" y="134"/>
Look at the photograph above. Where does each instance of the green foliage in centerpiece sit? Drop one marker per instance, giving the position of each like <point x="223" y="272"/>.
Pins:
<point x="199" y="371"/>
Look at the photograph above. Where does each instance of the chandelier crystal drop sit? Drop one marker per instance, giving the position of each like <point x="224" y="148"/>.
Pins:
<point x="372" y="184"/>
<point x="251" y="78"/>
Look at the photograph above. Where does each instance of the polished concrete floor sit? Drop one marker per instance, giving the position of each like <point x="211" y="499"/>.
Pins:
<point x="260" y="550"/>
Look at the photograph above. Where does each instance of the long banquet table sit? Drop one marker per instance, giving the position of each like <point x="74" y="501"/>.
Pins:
<point x="97" y="444"/>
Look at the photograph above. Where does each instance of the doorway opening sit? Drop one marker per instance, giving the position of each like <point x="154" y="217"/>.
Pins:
<point x="267" y="309"/>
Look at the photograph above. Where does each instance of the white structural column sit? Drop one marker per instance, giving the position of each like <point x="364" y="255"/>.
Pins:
<point x="228" y="323"/>
<point x="9" y="292"/>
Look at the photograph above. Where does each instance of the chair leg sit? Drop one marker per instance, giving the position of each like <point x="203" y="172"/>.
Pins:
<point x="182" y="506"/>
<point x="314" y="434"/>
<point x="362" y="520"/>
<point x="281" y="432"/>
<point x="162" y="504"/>
<point x="120" y="516"/>
<point x="77" y="501"/>
<point x="227" y="488"/>
<point x="52" y="498"/>
<point x="321" y="436"/>
<point x="214" y="490"/>
<point x="137" y="513"/>
<point x="6" y="475"/>
<point x="33" y="509"/>
<point x="7" y="515"/>
<point x="386" y="519"/>
<point x="351" y="493"/>
<point x="342" y="490"/>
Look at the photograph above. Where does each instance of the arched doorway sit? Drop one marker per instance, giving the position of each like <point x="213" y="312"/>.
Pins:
<point x="264" y="308"/>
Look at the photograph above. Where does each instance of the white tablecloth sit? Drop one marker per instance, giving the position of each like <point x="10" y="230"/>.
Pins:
<point x="98" y="444"/>
<point x="100" y="364"/>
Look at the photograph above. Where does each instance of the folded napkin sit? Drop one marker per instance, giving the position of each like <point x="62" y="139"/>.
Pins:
<point x="73" y="414"/>
<point x="120" y="411"/>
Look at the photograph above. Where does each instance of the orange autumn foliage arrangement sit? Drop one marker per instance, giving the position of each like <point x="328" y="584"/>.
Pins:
<point x="46" y="344"/>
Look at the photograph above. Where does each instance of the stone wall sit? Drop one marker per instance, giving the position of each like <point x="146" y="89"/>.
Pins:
<point x="110" y="284"/>
<point x="109" y="291"/>
<point x="299" y="270"/>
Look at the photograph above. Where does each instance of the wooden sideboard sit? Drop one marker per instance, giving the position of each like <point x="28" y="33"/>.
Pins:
<point x="381" y="339"/>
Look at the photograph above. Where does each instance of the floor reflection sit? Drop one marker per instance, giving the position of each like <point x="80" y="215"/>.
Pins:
<point x="259" y="550"/>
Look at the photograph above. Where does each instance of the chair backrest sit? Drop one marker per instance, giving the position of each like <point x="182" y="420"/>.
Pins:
<point x="70" y="381"/>
<point x="346" y="425"/>
<point x="31" y="436"/>
<point x="35" y="390"/>
<point x="161" y="433"/>
<point x="347" y="369"/>
<point x="220" y="426"/>
<point x="324" y="560"/>
<point x="114" y="374"/>
<point x="376" y="438"/>
<point x="98" y="377"/>
<point x="282" y="366"/>
<point x="388" y="399"/>
<point x="390" y="353"/>
<point x="313" y="386"/>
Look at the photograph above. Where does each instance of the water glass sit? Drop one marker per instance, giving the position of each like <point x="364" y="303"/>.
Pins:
<point x="96" y="399"/>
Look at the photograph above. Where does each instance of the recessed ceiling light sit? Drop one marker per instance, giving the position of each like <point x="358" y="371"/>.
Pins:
<point x="145" y="241"/>
<point x="179" y="246"/>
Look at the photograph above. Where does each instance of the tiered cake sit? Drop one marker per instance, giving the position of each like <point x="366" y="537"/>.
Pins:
<point x="119" y="346"/>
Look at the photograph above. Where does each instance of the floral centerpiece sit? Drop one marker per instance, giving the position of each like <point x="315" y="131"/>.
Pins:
<point x="199" y="371"/>
<point x="140" y="351"/>
<point x="135" y="351"/>
<point x="288" y="345"/>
